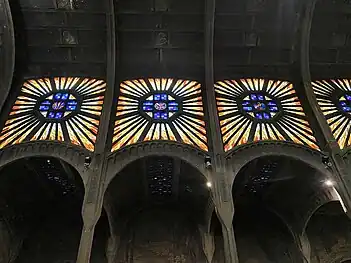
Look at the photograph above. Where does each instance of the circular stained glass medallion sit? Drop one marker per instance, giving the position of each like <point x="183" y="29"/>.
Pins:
<point x="345" y="103"/>
<point x="260" y="106"/>
<point x="58" y="105"/>
<point x="160" y="106"/>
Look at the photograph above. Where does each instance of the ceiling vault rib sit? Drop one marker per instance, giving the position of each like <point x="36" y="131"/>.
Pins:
<point x="213" y="120"/>
<point x="308" y="13"/>
<point x="7" y="62"/>
<point x="102" y="142"/>
<point x="331" y="146"/>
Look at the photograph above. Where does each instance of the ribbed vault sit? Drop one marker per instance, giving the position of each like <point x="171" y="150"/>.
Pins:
<point x="156" y="190"/>
<point x="281" y="188"/>
<point x="41" y="201"/>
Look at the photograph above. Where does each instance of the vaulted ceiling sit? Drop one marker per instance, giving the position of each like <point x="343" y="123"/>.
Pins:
<point x="60" y="37"/>
<point x="330" y="46"/>
<point x="169" y="37"/>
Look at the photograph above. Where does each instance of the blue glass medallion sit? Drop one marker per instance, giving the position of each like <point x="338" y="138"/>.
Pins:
<point x="58" y="105"/>
<point x="160" y="106"/>
<point x="260" y="106"/>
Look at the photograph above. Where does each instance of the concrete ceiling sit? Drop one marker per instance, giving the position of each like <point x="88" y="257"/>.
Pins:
<point x="167" y="37"/>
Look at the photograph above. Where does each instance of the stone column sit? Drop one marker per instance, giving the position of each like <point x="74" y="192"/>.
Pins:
<point x="91" y="215"/>
<point x="92" y="207"/>
<point x="230" y="250"/>
<point x="224" y="205"/>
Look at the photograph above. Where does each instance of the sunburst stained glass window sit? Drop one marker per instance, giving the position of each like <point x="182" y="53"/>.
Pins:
<point x="253" y="110"/>
<point x="334" y="99"/>
<point x="61" y="109"/>
<point x="160" y="109"/>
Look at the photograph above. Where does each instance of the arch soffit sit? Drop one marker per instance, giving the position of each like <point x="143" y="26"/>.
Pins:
<point x="118" y="160"/>
<point x="347" y="155"/>
<point x="322" y="203"/>
<point x="73" y="155"/>
<point x="341" y="254"/>
<point x="8" y="54"/>
<point x="288" y="226"/>
<point x="238" y="158"/>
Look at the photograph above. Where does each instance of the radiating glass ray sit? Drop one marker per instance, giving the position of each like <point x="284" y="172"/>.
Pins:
<point x="140" y="129"/>
<point x="7" y="138"/>
<point x="155" y="105"/>
<point x="72" y="135"/>
<point x="240" y="136"/>
<point x="334" y="99"/>
<point x="267" y="109"/>
<point x="87" y="133"/>
<point x="26" y="133"/>
<point x="55" y="109"/>
<point x="85" y="139"/>
<point x="46" y="132"/>
<point x="191" y="128"/>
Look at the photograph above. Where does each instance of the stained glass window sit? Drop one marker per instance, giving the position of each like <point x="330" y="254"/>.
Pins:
<point x="159" y="173"/>
<point x="58" y="105"/>
<point x="253" y="110"/>
<point x="160" y="106"/>
<point x="345" y="102"/>
<point x="159" y="109"/>
<point x="61" y="109"/>
<point x="334" y="99"/>
<point x="260" y="106"/>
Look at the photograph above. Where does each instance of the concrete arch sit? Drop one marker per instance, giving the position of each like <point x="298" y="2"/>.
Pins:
<point x="238" y="158"/>
<point x="341" y="256"/>
<point x="117" y="161"/>
<point x="296" y="236"/>
<point x="70" y="154"/>
<point x="316" y="208"/>
<point x="347" y="156"/>
<point x="282" y="219"/>
<point x="7" y="54"/>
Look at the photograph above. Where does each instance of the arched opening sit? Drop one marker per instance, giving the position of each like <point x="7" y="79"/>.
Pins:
<point x="40" y="211"/>
<point x="154" y="207"/>
<point x="271" y="194"/>
<point x="329" y="232"/>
